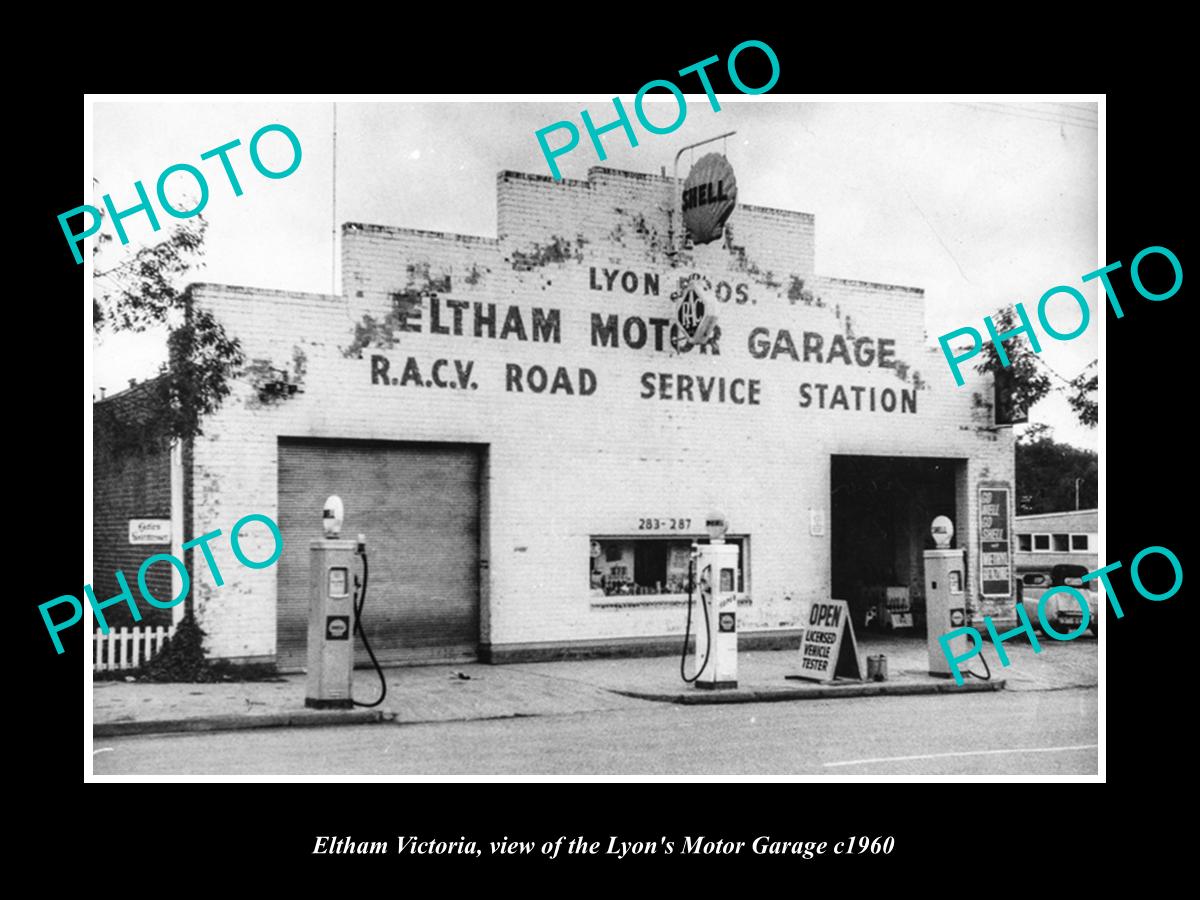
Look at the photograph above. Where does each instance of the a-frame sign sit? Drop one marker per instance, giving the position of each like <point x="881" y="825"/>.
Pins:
<point x="827" y="646"/>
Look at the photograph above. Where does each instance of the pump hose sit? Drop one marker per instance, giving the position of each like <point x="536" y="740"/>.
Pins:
<point x="986" y="668"/>
<point x="687" y="630"/>
<point x="360" y="601"/>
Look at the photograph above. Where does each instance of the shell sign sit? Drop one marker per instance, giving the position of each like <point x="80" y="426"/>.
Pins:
<point x="709" y="196"/>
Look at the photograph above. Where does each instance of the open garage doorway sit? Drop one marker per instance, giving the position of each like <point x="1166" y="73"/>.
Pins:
<point x="880" y="510"/>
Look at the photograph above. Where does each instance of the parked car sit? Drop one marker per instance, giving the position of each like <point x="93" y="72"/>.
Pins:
<point x="1062" y="610"/>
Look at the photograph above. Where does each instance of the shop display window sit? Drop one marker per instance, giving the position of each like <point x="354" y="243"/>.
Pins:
<point x="628" y="567"/>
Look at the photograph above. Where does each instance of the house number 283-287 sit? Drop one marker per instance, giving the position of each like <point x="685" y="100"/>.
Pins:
<point x="661" y="524"/>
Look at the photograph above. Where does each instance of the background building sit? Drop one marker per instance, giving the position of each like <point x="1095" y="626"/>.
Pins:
<point x="1060" y="538"/>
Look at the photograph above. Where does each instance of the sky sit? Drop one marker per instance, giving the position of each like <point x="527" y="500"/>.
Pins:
<point x="980" y="204"/>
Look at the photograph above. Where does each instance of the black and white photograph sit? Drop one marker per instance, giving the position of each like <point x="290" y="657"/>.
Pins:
<point x="677" y="435"/>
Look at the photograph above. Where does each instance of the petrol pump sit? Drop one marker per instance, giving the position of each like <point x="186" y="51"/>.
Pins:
<point x="715" y="661"/>
<point x="945" y="596"/>
<point x="334" y="614"/>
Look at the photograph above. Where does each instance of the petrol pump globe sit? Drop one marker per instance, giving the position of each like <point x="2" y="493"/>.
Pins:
<point x="717" y="525"/>
<point x="332" y="516"/>
<point x="942" y="529"/>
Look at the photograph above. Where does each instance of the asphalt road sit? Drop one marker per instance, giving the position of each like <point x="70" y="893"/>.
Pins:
<point x="1002" y="733"/>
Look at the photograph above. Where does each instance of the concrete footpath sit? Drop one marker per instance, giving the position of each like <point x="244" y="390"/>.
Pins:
<point x="470" y="691"/>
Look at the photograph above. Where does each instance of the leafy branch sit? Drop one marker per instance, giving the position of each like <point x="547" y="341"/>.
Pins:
<point x="1025" y="381"/>
<point x="1083" y="395"/>
<point x="143" y="292"/>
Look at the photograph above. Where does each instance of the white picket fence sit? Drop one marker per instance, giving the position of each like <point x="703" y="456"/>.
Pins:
<point x="127" y="648"/>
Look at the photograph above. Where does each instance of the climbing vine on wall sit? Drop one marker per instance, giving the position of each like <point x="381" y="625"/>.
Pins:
<point x="143" y="291"/>
<point x="405" y="303"/>
<point x="559" y="250"/>
<point x="272" y="383"/>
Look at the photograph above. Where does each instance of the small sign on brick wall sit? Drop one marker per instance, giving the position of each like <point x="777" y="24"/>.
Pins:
<point x="149" y="531"/>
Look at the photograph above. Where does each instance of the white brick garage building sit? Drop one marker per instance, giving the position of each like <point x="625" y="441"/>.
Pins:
<point x="507" y="422"/>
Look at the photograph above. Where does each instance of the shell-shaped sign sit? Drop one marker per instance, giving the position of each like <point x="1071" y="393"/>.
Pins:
<point x="709" y="196"/>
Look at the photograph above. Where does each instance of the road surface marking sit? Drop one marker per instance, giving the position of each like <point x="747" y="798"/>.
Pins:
<point x="859" y="762"/>
<point x="102" y="750"/>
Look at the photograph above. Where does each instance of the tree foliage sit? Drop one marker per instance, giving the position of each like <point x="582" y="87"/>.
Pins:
<point x="145" y="291"/>
<point x="1024" y="381"/>
<point x="1083" y="395"/>
<point x="142" y="291"/>
<point x="182" y="656"/>
<point x="1047" y="470"/>
<point x="183" y="659"/>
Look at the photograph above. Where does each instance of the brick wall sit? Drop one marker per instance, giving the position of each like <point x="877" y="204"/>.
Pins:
<point x="128" y="485"/>
<point x="562" y="466"/>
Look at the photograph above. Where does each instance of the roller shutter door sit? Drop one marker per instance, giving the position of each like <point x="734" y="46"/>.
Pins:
<point x="418" y="505"/>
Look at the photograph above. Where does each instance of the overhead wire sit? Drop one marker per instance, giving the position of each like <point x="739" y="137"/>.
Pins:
<point x="1050" y="116"/>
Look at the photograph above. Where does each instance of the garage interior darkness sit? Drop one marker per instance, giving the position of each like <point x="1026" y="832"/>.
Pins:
<point x="881" y="508"/>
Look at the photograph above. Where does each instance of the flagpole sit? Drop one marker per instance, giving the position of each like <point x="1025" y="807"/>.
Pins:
<point x="333" y="214"/>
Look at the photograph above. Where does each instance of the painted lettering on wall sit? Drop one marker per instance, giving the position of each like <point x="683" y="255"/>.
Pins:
<point x="437" y="375"/>
<point x="700" y="389"/>
<point x="652" y="333"/>
<point x="863" y="351"/>
<point x="537" y="380"/>
<point x="866" y="399"/>
<point x="628" y="281"/>
<point x="649" y="334"/>
<point x="461" y="318"/>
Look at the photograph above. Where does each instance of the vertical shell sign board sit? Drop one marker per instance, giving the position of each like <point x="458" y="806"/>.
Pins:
<point x="995" y="559"/>
<point x="827" y="645"/>
<point x="709" y="196"/>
